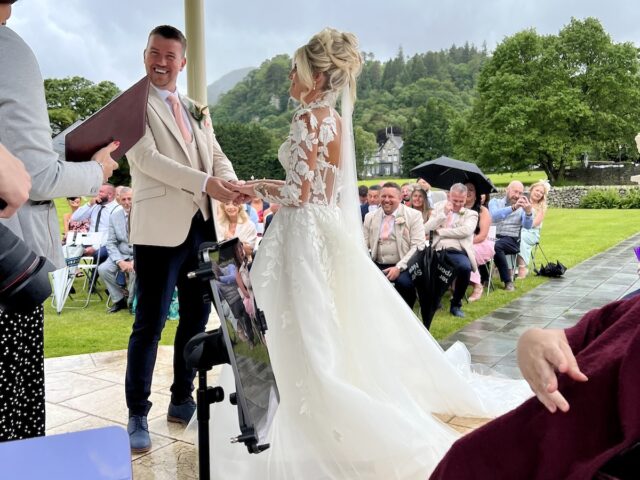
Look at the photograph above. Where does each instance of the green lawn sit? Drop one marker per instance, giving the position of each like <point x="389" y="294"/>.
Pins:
<point x="91" y="329"/>
<point x="569" y="235"/>
<point x="499" y="179"/>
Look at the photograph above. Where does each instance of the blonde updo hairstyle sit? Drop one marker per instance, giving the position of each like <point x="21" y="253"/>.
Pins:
<point x="333" y="53"/>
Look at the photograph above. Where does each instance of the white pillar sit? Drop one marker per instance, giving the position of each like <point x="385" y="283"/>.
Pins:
<point x="196" y="63"/>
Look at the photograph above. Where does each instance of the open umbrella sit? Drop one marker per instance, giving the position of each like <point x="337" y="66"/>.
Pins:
<point x="444" y="172"/>
<point x="431" y="273"/>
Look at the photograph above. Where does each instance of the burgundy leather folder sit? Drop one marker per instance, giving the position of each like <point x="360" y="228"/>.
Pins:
<point x="124" y="119"/>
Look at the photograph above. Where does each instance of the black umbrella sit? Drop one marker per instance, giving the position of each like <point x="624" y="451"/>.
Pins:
<point x="431" y="273"/>
<point x="444" y="172"/>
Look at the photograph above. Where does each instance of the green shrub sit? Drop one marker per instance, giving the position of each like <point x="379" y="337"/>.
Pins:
<point x="604" y="199"/>
<point x="631" y="199"/>
<point x="611" y="198"/>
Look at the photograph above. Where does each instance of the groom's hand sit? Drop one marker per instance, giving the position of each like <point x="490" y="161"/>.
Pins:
<point x="221" y="190"/>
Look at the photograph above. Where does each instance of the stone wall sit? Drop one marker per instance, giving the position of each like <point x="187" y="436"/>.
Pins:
<point x="603" y="174"/>
<point x="569" y="197"/>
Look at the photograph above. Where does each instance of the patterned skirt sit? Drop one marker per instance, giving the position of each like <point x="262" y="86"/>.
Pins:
<point x="22" y="374"/>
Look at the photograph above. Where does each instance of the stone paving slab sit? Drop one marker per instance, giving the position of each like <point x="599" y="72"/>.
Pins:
<point x="559" y="303"/>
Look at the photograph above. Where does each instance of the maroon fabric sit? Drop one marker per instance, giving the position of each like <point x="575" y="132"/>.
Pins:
<point x="604" y="418"/>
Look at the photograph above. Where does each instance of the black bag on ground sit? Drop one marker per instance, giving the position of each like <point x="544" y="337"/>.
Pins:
<point x="550" y="269"/>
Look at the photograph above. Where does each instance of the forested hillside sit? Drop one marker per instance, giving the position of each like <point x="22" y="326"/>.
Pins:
<point x="403" y="92"/>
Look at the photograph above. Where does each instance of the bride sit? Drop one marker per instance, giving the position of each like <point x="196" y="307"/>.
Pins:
<point x="358" y="375"/>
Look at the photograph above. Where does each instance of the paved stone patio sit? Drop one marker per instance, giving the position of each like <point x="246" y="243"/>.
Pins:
<point x="87" y="391"/>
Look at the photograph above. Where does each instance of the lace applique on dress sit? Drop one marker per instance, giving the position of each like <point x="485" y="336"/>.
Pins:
<point x="309" y="174"/>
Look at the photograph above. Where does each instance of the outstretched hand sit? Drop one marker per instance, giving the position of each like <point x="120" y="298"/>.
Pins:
<point x="244" y="189"/>
<point x="540" y="353"/>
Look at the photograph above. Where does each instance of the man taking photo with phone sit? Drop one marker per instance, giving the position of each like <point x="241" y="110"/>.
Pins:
<point x="509" y="214"/>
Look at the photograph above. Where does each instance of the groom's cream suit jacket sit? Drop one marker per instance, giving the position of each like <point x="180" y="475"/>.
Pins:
<point x="408" y="230"/>
<point x="167" y="183"/>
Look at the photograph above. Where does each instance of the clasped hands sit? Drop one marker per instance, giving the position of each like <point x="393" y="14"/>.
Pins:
<point x="236" y="191"/>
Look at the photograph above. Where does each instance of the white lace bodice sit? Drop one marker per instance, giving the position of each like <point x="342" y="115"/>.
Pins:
<point x="310" y="174"/>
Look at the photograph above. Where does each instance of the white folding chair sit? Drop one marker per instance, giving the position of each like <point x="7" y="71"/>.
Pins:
<point x="87" y="265"/>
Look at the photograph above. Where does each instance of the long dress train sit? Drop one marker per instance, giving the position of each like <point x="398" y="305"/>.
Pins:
<point x="358" y="375"/>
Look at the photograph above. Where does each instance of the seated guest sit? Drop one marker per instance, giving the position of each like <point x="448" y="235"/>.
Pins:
<point x="373" y="201"/>
<point x="273" y="209"/>
<point x="392" y="234"/>
<point x="234" y="222"/>
<point x="260" y="206"/>
<point x="251" y="213"/>
<point x="97" y="211"/>
<point x="426" y="186"/>
<point x="362" y="193"/>
<point x="509" y="214"/>
<point x="119" y="263"/>
<point x="406" y="189"/>
<point x="69" y="225"/>
<point x="529" y="238"/>
<point x="483" y="247"/>
<point x="420" y="202"/>
<point x="575" y="429"/>
<point x="453" y="226"/>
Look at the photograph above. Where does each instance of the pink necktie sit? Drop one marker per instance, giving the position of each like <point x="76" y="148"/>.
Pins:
<point x="177" y="113"/>
<point x="387" y="225"/>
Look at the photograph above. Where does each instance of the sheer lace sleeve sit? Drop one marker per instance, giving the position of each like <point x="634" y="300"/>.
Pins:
<point x="301" y="172"/>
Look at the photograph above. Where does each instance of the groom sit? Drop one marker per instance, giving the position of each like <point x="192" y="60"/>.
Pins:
<point x="175" y="168"/>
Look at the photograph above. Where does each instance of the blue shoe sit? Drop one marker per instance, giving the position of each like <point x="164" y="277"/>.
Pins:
<point x="456" y="312"/>
<point x="138" y="430"/>
<point x="182" y="413"/>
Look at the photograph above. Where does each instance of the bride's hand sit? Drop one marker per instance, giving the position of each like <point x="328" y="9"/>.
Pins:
<point x="244" y="189"/>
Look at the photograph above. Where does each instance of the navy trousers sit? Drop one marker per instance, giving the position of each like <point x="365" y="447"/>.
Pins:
<point x="462" y="267"/>
<point x="403" y="285"/>
<point x="158" y="271"/>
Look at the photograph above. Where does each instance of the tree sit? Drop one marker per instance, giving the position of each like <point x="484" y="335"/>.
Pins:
<point x="428" y="136"/>
<point x="75" y="98"/>
<point x="545" y="100"/>
<point x="251" y="150"/>
<point x="365" y="145"/>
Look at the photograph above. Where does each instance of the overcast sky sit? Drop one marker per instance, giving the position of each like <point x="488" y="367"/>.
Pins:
<point x="104" y="39"/>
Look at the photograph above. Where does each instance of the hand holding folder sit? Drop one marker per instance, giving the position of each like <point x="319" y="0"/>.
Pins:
<point x="123" y="119"/>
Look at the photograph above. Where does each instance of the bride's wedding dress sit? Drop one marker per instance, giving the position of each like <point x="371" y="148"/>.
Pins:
<point x="358" y="375"/>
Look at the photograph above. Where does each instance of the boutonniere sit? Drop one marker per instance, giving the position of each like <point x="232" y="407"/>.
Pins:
<point x="400" y="220"/>
<point x="461" y="212"/>
<point x="200" y="114"/>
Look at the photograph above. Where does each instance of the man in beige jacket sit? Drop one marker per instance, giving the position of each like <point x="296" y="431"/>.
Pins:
<point x="392" y="233"/>
<point x="176" y="168"/>
<point x="453" y="227"/>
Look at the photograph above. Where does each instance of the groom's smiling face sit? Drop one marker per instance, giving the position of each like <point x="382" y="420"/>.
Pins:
<point x="163" y="60"/>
